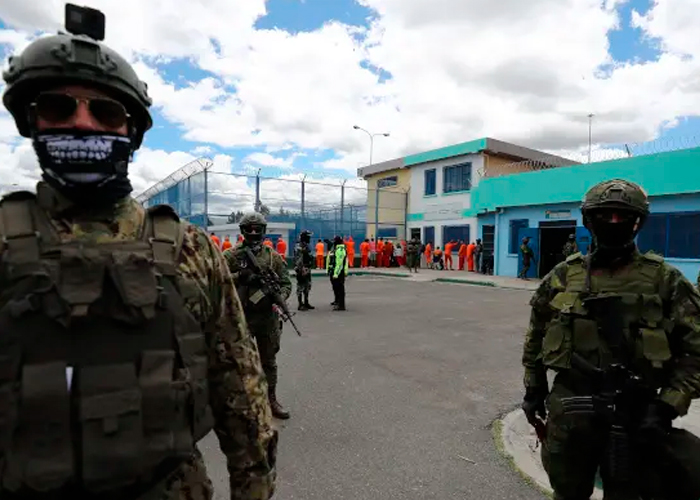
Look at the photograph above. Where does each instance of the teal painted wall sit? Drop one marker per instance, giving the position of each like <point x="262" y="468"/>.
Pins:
<point x="446" y="152"/>
<point x="674" y="172"/>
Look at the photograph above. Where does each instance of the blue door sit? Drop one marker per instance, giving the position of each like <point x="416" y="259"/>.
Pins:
<point x="534" y="234"/>
<point x="429" y="235"/>
<point x="583" y="239"/>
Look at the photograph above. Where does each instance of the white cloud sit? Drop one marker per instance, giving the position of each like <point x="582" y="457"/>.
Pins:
<point x="527" y="72"/>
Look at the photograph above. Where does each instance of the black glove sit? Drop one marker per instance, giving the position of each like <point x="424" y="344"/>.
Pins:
<point x="533" y="405"/>
<point x="656" y="422"/>
<point x="245" y="276"/>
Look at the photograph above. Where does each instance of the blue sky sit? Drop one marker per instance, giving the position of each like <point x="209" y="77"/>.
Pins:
<point x="627" y="45"/>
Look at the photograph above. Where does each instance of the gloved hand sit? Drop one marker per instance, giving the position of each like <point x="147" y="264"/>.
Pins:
<point x="533" y="405"/>
<point x="656" y="422"/>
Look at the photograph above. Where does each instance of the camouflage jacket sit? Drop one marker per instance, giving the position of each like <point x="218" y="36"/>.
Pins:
<point x="412" y="248"/>
<point x="238" y="391"/>
<point x="662" y="324"/>
<point x="267" y="259"/>
<point x="303" y="259"/>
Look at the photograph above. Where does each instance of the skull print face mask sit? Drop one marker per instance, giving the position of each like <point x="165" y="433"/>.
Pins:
<point x="87" y="167"/>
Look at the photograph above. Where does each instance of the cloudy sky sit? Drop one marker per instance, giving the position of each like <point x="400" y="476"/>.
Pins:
<point x="278" y="84"/>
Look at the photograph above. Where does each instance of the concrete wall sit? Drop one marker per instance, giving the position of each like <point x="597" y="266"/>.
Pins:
<point x="442" y="209"/>
<point x="392" y="202"/>
<point x="506" y="264"/>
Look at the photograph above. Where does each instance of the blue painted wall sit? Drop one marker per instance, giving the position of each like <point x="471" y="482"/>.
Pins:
<point x="506" y="264"/>
<point x="659" y="174"/>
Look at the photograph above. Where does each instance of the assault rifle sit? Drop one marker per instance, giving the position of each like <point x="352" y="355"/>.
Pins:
<point x="668" y="469"/>
<point x="269" y="286"/>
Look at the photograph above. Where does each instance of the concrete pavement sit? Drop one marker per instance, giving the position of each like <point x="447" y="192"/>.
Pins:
<point x="519" y="443"/>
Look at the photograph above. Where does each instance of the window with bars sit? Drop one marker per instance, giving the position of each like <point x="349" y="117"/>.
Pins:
<point x="671" y="235"/>
<point x="457" y="178"/>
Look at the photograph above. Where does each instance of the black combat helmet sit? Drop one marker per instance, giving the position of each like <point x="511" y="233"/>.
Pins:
<point x="74" y="58"/>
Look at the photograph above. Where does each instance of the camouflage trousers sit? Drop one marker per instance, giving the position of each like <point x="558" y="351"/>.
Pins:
<point x="303" y="285"/>
<point x="267" y="334"/>
<point x="189" y="482"/>
<point x="574" y="450"/>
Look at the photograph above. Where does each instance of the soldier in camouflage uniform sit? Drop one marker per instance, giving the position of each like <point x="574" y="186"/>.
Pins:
<point x="112" y="314"/>
<point x="570" y="247"/>
<point x="413" y="255"/>
<point x="303" y="260"/>
<point x="263" y="320"/>
<point x="660" y="312"/>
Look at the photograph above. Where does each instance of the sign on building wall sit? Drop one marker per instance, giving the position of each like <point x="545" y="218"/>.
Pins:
<point x="443" y="211"/>
<point x="557" y="214"/>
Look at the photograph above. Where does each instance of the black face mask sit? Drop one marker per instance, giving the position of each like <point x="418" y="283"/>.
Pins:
<point x="612" y="240"/>
<point x="89" y="168"/>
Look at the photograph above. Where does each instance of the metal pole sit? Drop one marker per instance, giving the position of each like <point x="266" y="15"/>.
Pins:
<point x="303" y="200"/>
<point x="257" y="191"/>
<point x="371" y="152"/>
<point x="342" y="206"/>
<point x="206" y="199"/>
<point x="590" y="135"/>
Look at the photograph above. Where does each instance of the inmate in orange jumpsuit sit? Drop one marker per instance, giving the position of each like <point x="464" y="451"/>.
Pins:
<point x="320" y="248"/>
<point x="216" y="240"/>
<point x="448" y="255"/>
<point x="268" y="243"/>
<point x="226" y="244"/>
<point x="388" y="252"/>
<point x="364" y="252"/>
<point x="462" y="256"/>
<point x="350" y="246"/>
<point x="380" y="252"/>
<point x="240" y="238"/>
<point x="470" y="256"/>
<point x="429" y="255"/>
<point x="282" y="248"/>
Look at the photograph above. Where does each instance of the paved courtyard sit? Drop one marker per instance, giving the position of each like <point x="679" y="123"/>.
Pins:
<point x="394" y="398"/>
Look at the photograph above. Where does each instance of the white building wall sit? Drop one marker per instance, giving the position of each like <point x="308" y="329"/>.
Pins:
<point x="441" y="209"/>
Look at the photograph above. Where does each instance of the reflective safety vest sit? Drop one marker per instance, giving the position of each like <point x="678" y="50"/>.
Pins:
<point x="103" y="371"/>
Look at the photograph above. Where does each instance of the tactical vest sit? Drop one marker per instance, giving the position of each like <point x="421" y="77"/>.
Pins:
<point x="644" y="318"/>
<point x="103" y="371"/>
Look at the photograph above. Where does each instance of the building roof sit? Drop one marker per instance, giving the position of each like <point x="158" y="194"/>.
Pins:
<point x="486" y="145"/>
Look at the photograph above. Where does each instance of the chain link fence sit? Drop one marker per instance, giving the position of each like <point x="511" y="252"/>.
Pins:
<point x="326" y="208"/>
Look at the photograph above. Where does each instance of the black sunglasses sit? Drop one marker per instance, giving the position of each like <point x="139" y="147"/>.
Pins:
<point x="59" y="107"/>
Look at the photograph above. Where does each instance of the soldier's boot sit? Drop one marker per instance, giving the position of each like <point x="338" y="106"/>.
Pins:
<point x="306" y="301"/>
<point x="301" y="306"/>
<point x="278" y="410"/>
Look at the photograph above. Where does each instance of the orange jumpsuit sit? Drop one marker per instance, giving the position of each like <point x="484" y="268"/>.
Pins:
<point x="282" y="249"/>
<point x="429" y="255"/>
<point x="380" y="253"/>
<point x="240" y="238"/>
<point x="388" y="252"/>
<point x="462" y="256"/>
<point x="226" y="244"/>
<point x="448" y="255"/>
<point x="350" y="246"/>
<point x="364" y="252"/>
<point x="268" y="243"/>
<point x="320" y="248"/>
<point x="216" y="240"/>
<point x="470" y="256"/>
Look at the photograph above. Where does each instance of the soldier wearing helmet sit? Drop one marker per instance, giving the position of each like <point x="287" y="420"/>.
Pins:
<point x="263" y="320"/>
<point x="303" y="261"/>
<point x="655" y="312"/>
<point x="109" y="382"/>
<point x="527" y="255"/>
<point x="570" y="247"/>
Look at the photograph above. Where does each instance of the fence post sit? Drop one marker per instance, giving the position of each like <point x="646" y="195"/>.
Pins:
<point x="206" y="199"/>
<point x="342" y="206"/>
<point x="303" y="200"/>
<point x="257" y="191"/>
<point x="376" y="212"/>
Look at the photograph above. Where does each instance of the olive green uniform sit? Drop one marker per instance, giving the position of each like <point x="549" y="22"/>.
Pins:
<point x="662" y="314"/>
<point x="262" y="320"/>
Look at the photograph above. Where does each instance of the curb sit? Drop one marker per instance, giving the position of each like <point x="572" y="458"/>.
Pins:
<point x="467" y="282"/>
<point x="517" y="441"/>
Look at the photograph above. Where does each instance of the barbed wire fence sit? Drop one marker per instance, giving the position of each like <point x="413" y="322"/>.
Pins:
<point x="325" y="207"/>
<point x="599" y="153"/>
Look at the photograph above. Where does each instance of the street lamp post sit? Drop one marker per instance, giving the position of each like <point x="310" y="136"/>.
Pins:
<point x="376" y="191"/>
